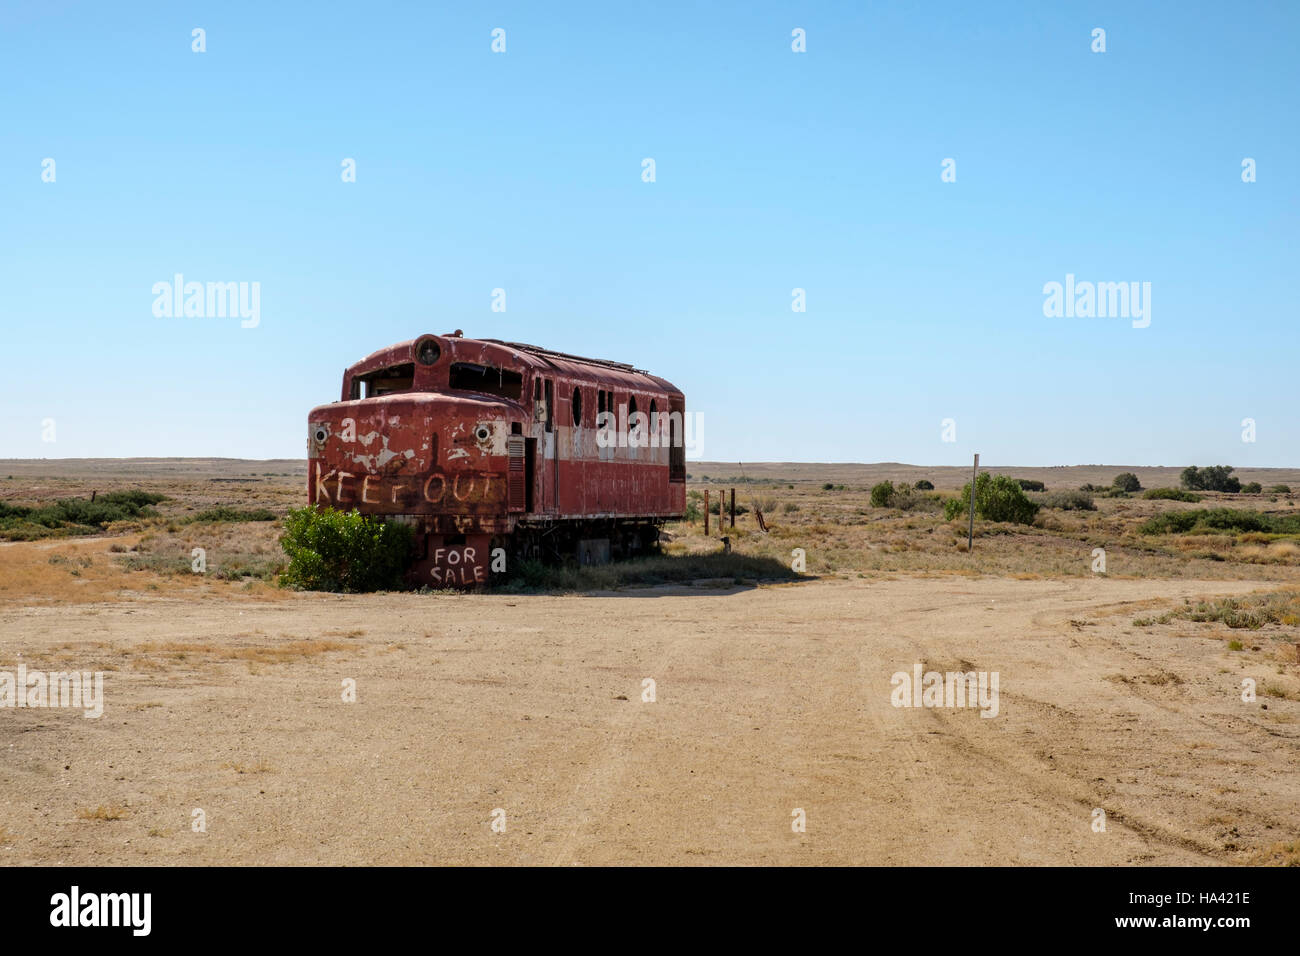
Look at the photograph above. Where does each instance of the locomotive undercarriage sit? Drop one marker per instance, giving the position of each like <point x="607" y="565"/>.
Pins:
<point x="486" y="549"/>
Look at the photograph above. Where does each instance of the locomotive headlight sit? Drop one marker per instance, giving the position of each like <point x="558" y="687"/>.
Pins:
<point x="321" y="434"/>
<point x="427" y="352"/>
<point x="482" y="433"/>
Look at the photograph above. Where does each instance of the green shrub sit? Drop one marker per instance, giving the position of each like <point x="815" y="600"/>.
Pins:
<point x="1067" y="500"/>
<point x="1210" y="478"/>
<point x="924" y="485"/>
<point x="1027" y="484"/>
<point x="829" y="486"/>
<point x="1252" y="488"/>
<point x="1220" y="519"/>
<point x="1127" y="481"/>
<point x="1280" y="490"/>
<point x="1170" y="494"/>
<point x="332" y="550"/>
<point x="882" y="495"/>
<point x="226" y="513"/>
<point x="74" y="515"/>
<point x="997" y="498"/>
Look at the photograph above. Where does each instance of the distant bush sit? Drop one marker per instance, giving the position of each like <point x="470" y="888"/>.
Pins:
<point x="1210" y="478"/>
<point x="73" y="515"/>
<point x="1252" y="488"/>
<point x="1170" y="494"/>
<point x="789" y="507"/>
<point x="997" y="498"/>
<point x="131" y="499"/>
<point x="924" y="485"/>
<point x="1127" y="481"/>
<point x="1280" y="490"/>
<point x="882" y="495"/>
<point x="1027" y="484"/>
<point x="829" y="486"/>
<point x="726" y="508"/>
<point x="226" y="513"/>
<point x="1220" y="519"/>
<point x="1067" y="500"/>
<point x="333" y="550"/>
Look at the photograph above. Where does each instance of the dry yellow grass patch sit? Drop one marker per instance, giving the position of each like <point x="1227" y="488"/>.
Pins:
<point x="1279" y="854"/>
<point x="147" y="655"/>
<point x="104" y="813"/>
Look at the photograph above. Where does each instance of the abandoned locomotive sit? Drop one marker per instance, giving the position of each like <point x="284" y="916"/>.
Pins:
<point x="491" y="448"/>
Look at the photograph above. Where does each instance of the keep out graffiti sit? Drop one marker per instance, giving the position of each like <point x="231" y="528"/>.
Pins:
<point x="462" y="490"/>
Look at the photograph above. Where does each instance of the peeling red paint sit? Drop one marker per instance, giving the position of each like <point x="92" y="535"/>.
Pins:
<point x="497" y="460"/>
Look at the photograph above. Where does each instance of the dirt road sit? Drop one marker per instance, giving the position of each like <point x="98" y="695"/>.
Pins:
<point x="767" y="701"/>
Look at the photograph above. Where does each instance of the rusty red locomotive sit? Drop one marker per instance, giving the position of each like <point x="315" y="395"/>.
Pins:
<point x="497" y="451"/>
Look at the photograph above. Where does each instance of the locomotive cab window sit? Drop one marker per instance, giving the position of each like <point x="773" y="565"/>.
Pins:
<point x="577" y="406"/>
<point x="469" y="377"/>
<point x="395" y="378"/>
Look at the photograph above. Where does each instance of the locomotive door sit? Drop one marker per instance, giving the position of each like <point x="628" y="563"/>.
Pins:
<point x="551" y="481"/>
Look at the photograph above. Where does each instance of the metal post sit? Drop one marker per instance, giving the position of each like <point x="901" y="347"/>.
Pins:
<point x="733" y="507"/>
<point x="970" y="531"/>
<point x="706" y="512"/>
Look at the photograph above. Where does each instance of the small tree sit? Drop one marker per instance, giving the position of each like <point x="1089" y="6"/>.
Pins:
<point x="882" y="495"/>
<point x="1252" y="488"/>
<point x="924" y="485"/>
<point x="1127" y="481"/>
<point x="1210" y="478"/>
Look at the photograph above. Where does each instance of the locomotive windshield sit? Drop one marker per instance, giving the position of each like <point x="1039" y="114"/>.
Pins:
<point x="395" y="378"/>
<point x="469" y="377"/>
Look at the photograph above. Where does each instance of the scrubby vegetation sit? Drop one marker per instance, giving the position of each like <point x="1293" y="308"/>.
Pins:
<point x="226" y="513"/>
<point x="997" y="498"/>
<point x="1210" y="478"/>
<point x="1171" y="494"/>
<point x="1220" y="519"/>
<point x="74" y="515"/>
<point x="332" y="550"/>
<point x="1027" y="484"/>
<point x="1128" y="482"/>
<point x="1067" y="500"/>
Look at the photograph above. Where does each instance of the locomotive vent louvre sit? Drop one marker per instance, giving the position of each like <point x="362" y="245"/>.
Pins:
<point x="516" y="475"/>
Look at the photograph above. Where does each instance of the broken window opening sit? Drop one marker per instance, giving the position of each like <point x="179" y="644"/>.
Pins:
<point x="395" y="378"/>
<point x="487" y="379"/>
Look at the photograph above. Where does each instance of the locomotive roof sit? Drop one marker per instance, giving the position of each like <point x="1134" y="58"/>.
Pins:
<point x="561" y="361"/>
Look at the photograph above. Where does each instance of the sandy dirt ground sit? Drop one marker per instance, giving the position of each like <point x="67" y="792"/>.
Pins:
<point x="768" y="700"/>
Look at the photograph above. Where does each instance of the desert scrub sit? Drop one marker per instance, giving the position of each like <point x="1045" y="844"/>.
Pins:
<point x="1067" y="500"/>
<point x="331" y="550"/>
<point x="74" y="515"/>
<point x="227" y="513"/>
<point x="1219" y="519"/>
<point x="997" y="498"/>
<point x="1170" y="494"/>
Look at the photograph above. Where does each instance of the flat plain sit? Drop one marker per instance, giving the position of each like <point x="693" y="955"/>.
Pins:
<point x="1120" y="691"/>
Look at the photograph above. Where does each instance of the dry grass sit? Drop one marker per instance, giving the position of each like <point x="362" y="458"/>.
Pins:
<point x="150" y="654"/>
<point x="841" y="532"/>
<point x="104" y="813"/>
<point x="1279" y="854"/>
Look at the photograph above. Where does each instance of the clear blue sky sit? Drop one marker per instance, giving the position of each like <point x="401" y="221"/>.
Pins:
<point x="775" y="170"/>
